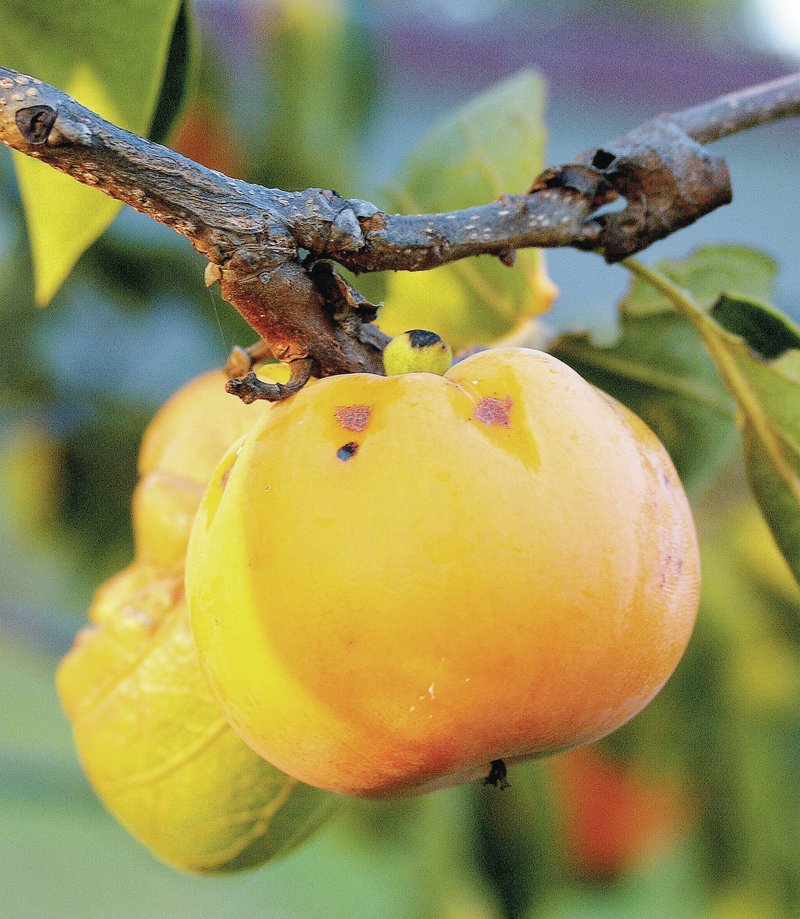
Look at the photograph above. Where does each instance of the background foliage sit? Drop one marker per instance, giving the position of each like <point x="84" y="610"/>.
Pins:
<point x="293" y="94"/>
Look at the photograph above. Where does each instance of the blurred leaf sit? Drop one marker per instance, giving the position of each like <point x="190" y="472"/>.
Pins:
<point x="736" y="722"/>
<point x="111" y="55"/>
<point x="32" y="475"/>
<point x="761" y="559"/>
<point x="660" y="369"/>
<point x="708" y="272"/>
<point x="523" y="851"/>
<point x="179" y="75"/>
<point x="768" y="393"/>
<point x="321" y="76"/>
<point x="459" y="883"/>
<point x="491" y="146"/>
<point x="668" y="888"/>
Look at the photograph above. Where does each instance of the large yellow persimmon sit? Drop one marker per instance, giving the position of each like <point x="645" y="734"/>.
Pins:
<point x="394" y="582"/>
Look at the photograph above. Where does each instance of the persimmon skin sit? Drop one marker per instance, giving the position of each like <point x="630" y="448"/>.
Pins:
<point x="179" y="452"/>
<point x="395" y="581"/>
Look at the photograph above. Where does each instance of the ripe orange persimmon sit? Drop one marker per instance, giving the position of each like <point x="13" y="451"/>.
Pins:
<point x="394" y="582"/>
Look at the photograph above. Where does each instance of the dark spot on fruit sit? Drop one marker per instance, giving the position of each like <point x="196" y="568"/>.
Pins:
<point x="353" y="417"/>
<point x="419" y="338"/>
<point x="348" y="451"/>
<point x="494" y="411"/>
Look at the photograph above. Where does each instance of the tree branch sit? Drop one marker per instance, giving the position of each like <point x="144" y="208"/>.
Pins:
<point x="747" y="108"/>
<point x="271" y="250"/>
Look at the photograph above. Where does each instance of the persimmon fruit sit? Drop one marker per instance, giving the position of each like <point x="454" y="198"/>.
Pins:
<point x="180" y="451"/>
<point x="155" y="745"/>
<point x="396" y="581"/>
<point x="150" y="734"/>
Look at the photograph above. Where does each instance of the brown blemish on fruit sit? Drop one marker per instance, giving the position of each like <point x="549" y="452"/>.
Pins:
<point x="671" y="569"/>
<point x="494" y="411"/>
<point x="353" y="417"/>
<point x="347" y="451"/>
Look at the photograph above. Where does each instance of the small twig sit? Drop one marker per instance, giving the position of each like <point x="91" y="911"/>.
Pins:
<point x="255" y="238"/>
<point x="739" y="111"/>
<point x="251" y="388"/>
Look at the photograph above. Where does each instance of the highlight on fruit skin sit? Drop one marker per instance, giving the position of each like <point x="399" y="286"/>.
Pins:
<point x="397" y="580"/>
<point x="151" y="737"/>
<point x="417" y="351"/>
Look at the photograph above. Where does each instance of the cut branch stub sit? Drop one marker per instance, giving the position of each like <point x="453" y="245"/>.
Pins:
<point x="667" y="178"/>
<point x="35" y="123"/>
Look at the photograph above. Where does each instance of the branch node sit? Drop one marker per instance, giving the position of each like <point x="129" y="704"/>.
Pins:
<point x="667" y="178"/>
<point x="346" y="234"/>
<point x="71" y="132"/>
<point x="361" y="208"/>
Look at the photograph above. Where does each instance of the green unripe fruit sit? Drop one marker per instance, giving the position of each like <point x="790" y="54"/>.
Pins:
<point x="417" y="351"/>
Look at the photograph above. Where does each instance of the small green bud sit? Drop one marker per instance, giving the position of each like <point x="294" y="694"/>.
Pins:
<point x="417" y="351"/>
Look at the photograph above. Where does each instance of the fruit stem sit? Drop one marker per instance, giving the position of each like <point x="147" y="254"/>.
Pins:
<point x="497" y="775"/>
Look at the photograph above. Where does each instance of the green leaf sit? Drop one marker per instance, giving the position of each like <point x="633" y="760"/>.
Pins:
<point x="768" y="393"/>
<point x="111" y="55"/>
<point x="492" y="145"/>
<point x="315" y="123"/>
<point x="705" y="274"/>
<point x="180" y="74"/>
<point x="764" y="328"/>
